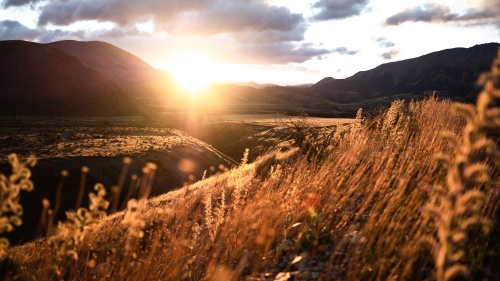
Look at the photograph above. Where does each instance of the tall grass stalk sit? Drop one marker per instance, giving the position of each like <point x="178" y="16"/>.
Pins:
<point x="458" y="207"/>
<point x="11" y="210"/>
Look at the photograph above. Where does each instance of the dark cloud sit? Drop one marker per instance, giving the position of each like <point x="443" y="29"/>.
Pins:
<point x="382" y="42"/>
<point x="180" y="17"/>
<point x="123" y="13"/>
<point x="389" y="55"/>
<point x="338" y="9"/>
<point x="237" y="16"/>
<point x="438" y="13"/>
<point x="18" y="3"/>
<point x="345" y="51"/>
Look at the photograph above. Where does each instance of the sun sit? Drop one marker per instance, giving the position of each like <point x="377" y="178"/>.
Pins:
<point x="192" y="71"/>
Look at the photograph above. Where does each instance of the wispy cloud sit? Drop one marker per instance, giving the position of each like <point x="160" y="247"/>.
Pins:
<point x="279" y="53"/>
<point x="382" y="42"/>
<point x="439" y="13"/>
<point x="389" y="55"/>
<point x="345" y="51"/>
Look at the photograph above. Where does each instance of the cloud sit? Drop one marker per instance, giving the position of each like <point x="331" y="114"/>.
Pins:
<point x="345" y="51"/>
<point x="186" y="17"/>
<point x="123" y="13"/>
<point x="389" y="55"/>
<point x="237" y="16"/>
<point x="14" y="30"/>
<point x="266" y="34"/>
<point x="483" y="5"/>
<point x="382" y="42"/>
<point x="18" y="3"/>
<point x="338" y="9"/>
<point x="278" y="53"/>
<point x="438" y="13"/>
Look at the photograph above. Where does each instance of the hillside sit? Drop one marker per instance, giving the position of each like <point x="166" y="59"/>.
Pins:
<point x="451" y="73"/>
<point x="36" y="79"/>
<point x="132" y="74"/>
<point x="284" y="216"/>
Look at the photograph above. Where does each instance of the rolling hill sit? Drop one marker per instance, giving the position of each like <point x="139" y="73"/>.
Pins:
<point x="36" y="79"/>
<point x="450" y="73"/>
<point x="129" y="72"/>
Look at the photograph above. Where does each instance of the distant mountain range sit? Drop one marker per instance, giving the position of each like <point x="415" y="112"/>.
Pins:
<point x="450" y="73"/>
<point x="252" y="84"/>
<point x="73" y="78"/>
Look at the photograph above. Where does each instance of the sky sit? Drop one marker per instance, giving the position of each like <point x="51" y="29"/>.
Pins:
<point x="284" y="42"/>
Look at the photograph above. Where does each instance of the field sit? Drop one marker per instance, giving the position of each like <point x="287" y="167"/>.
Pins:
<point x="64" y="143"/>
<point x="99" y="144"/>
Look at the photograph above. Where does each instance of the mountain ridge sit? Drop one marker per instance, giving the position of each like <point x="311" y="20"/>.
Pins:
<point x="128" y="71"/>
<point x="37" y="79"/>
<point x="451" y="71"/>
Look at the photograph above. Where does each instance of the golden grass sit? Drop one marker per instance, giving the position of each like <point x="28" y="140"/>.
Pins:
<point x="352" y="211"/>
<point x="359" y="211"/>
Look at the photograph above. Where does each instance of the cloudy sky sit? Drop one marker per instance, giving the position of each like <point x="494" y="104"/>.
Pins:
<point x="267" y="41"/>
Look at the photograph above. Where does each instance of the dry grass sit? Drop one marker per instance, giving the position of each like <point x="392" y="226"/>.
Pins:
<point x="352" y="211"/>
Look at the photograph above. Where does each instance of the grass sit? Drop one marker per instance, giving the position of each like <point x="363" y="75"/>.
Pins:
<point x="352" y="206"/>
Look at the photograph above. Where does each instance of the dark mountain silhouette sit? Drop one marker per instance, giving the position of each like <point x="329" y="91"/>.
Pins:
<point x="451" y="73"/>
<point x="129" y="72"/>
<point x="36" y="79"/>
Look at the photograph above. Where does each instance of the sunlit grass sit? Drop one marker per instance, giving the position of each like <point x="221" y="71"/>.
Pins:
<point x="350" y="204"/>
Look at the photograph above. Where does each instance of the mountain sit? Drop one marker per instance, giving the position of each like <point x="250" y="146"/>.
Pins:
<point x="36" y="79"/>
<point x="129" y="72"/>
<point x="252" y="84"/>
<point x="451" y="72"/>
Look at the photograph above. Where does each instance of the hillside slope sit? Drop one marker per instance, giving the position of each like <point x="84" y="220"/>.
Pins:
<point x="36" y="79"/>
<point x="128" y="71"/>
<point x="451" y="72"/>
<point x="353" y="214"/>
